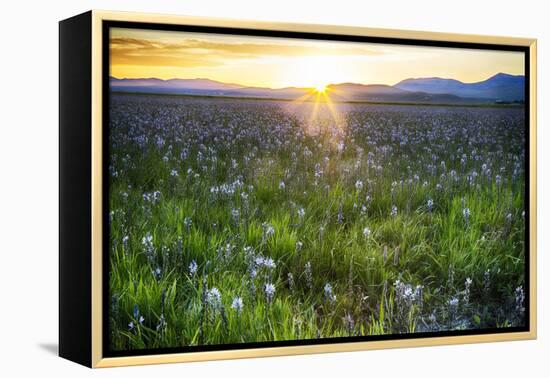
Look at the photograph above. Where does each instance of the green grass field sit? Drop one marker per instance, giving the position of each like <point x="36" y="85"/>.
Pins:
<point x="239" y="221"/>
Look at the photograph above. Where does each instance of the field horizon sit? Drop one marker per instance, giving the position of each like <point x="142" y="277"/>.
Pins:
<point x="315" y="100"/>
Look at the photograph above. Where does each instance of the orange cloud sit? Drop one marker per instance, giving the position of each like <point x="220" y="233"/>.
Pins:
<point x="191" y="52"/>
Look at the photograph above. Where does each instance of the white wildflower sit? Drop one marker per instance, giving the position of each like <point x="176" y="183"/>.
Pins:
<point x="366" y="232"/>
<point x="237" y="304"/>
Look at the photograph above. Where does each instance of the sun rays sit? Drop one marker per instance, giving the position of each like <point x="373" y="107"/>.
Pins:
<point x="319" y="113"/>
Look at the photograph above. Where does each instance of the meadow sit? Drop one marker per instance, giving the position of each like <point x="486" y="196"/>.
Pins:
<point x="235" y="221"/>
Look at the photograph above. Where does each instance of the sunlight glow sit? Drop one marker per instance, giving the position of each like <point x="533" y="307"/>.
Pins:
<point x="279" y="62"/>
<point x="321" y="88"/>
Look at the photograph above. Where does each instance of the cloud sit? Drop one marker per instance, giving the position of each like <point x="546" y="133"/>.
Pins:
<point x="193" y="52"/>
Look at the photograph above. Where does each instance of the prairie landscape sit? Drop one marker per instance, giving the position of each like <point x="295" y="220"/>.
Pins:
<point x="243" y="220"/>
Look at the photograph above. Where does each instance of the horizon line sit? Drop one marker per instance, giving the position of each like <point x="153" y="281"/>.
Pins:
<point x="329" y="84"/>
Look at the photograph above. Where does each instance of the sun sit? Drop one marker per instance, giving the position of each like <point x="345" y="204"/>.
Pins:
<point x="320" y="88"/>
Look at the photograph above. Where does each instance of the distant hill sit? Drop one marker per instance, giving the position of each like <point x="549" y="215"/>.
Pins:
<point x="387" y="93"/>
<point x="501" y="87"/>
<point x="153" y="85"/>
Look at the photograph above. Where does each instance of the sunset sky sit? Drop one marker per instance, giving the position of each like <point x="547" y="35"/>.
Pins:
<point x="277" y="63"/>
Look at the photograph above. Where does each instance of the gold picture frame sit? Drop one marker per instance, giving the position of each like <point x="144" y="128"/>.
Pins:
<point x="93" y="264"/>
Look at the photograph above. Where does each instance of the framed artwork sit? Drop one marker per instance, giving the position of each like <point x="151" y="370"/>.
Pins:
<point x="235" y="189"/>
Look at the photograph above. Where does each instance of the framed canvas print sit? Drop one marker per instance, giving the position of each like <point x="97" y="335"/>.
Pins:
<point x="236" y="189"/>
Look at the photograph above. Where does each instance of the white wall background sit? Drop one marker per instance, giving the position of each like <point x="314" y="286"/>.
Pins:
<point x="29" y="190"/>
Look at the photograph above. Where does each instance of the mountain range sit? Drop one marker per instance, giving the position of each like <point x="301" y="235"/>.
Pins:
<point x="501" y="86"/>
<point x="498" y="88"/>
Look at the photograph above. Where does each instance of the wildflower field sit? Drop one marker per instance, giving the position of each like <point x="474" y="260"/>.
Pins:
<point x="237" y="221"/>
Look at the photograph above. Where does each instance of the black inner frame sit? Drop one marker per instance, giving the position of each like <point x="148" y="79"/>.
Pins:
<point x="106" y="25"/>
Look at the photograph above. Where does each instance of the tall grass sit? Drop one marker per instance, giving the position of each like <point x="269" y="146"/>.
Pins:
<point x="249" y="221"/>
